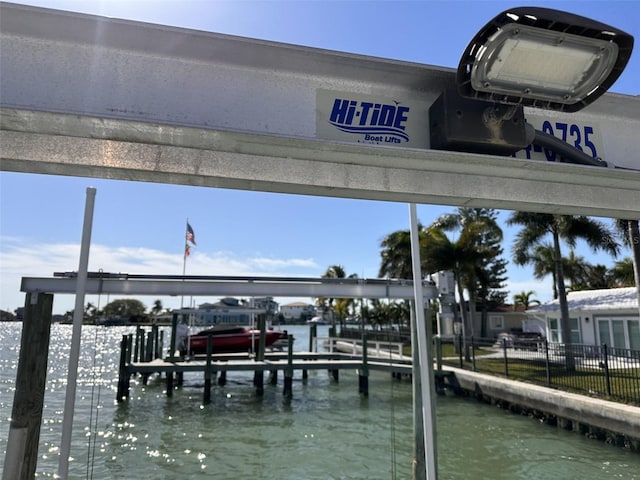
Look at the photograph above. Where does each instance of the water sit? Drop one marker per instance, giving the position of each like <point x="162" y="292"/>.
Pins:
<point x="325" y="432"/>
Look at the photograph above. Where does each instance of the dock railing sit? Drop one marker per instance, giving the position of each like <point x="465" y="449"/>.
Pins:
<point x="375" y="348"/>
<point x="597" y="370"/>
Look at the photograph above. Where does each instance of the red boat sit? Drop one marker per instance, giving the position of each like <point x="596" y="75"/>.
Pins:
<point x="230" y="339"/>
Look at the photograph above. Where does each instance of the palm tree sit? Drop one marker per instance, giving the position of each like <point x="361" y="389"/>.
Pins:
<point x="396" y="254"/>
<point x="630" y="230"/>
<point x="541" y="258"/>
<point x="537" y="226"/>
<point x="488" y="276"/>
<point x="157" y="307"/>
<point x="576" y="270"/>
<point x="460" y="256"/>
<point x="524" y="298"/>
<point x="334" y="271"/>
<point x="622" y="273"/>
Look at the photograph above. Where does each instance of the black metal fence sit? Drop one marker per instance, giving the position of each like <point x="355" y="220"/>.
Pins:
<point x="596" y="370"/>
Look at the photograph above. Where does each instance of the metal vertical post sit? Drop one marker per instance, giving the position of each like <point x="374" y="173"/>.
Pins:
<point x="506" y="360"/>
<point x="424" y="354"/>
<point x="74" y="353"/>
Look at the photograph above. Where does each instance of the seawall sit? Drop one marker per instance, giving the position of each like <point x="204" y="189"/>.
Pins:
<point x="610" y="422"/>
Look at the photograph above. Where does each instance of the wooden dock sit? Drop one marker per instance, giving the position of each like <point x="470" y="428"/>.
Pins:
<point x="142" y="356"/>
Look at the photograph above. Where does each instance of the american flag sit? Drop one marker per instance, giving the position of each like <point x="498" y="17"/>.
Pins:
<point x="190" y="235"/>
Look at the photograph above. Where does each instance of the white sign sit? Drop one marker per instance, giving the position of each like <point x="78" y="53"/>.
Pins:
<point x="371" y="120"/>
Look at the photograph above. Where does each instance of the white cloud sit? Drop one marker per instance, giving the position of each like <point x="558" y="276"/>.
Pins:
<point x="18" y="260"/>
<point x="42" y="260"/>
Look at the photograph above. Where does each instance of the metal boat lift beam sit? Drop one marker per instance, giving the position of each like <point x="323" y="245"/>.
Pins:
<point x="99" y="97"/>
<point x="228" y="286"/>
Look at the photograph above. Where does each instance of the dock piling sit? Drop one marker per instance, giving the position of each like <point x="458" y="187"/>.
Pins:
<point x="363" y="374"/>
<point x="207" y="372"/>
<point x="222" y="378"/>
<point x="258" y="375"/>
<point x="120" y="393"/>
<point x="288" y="372"/>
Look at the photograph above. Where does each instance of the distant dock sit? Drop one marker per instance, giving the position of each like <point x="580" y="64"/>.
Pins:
<point x="141" y="355"/>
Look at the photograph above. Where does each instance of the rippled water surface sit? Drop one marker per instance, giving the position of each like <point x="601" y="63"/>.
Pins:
<point x="327" y="431"/>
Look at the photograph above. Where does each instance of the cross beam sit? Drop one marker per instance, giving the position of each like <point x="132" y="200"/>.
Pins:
<point x="166" y="285"/>
<point x="231" y="112"/>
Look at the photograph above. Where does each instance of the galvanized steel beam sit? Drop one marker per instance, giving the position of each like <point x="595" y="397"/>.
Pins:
<point x="92" y="96"/>
<point x="320" y="288"/>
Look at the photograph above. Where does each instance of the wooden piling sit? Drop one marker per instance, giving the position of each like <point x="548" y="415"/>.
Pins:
<point x="313" y="334"/>
<point x="127" y="375"/>
<point x="363" y="374"/>
<point x="174" y="338"/>
<point x="154" y="346"/>
<point x="207" y="372"/>
<point x="288" y="372"/>
<point x="258" y="376"/>
<point x="145" y="341"/>
<point x="120" y="395"/>
<point x="136" y="350"/>
<point x="222" y="378"/>
<point x="169" y="383"/>
<point x="26" y="416"/>
<point x="141" y="353"/>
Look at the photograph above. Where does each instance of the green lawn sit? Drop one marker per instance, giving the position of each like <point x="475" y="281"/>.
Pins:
<point x="624" y="384"/>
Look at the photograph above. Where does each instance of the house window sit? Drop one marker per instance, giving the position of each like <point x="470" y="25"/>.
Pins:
<point x="555" y="335"/>
<point x="496" y="322"/>
<point x="619" y="332"/>
<point x="634" y="334"/>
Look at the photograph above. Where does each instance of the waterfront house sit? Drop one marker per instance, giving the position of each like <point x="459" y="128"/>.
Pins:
<point x="597" y="317"/>
<point x="228" y="311"/>
<point x="297" y="311"/>
<point x="500" y="319"/>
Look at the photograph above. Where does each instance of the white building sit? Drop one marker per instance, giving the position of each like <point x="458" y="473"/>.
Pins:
<point x="597" y="317"/>
<point x="297" y="311"/>
<point x="228" y="311"/>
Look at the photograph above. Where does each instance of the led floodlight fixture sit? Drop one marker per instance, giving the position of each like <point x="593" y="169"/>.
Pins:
<point x="543" y="58"/>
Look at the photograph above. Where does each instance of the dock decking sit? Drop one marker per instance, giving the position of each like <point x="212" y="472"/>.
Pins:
<point x="143" y="357"/>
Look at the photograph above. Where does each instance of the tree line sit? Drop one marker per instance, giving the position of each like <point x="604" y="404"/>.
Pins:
<point x="469" y="244"/>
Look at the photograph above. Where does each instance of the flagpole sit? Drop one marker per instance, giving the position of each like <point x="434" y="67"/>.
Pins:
<point x="184" y="261"/>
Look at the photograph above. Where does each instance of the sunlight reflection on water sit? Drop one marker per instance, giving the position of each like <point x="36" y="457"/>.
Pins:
<point x="326" y="431"/>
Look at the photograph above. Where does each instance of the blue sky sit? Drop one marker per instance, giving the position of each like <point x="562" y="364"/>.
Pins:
<point x="140" y="227"/>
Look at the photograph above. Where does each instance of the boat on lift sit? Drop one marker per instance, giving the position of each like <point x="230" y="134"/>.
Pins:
<point x="231" y="339"/>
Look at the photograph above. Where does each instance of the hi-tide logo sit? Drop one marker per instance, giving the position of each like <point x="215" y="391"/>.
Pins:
<point x="376" y="122"/>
